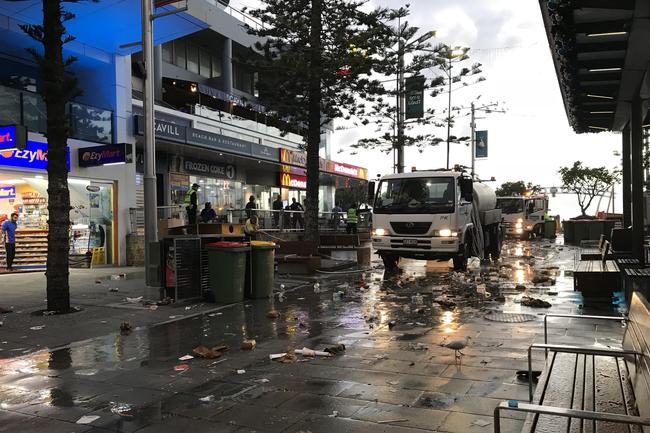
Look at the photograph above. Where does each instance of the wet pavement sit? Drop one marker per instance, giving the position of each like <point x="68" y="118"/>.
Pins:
<point x="394" y="376"/>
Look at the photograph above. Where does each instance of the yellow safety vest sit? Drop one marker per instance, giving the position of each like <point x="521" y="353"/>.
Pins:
<point x="352" y="216"/>
<point x="188" y="196"/>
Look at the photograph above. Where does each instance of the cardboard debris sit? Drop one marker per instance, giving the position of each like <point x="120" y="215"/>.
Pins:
<point x="209" y="353"/>
<point x="311" y="353"/>
<point x="241" y="371"/>
<point x="284" y="358"/>
<point x="185" y="358"/>
<point x="87" y="419"/>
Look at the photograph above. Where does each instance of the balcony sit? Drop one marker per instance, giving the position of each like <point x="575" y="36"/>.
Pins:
<point x="28" y="108"/>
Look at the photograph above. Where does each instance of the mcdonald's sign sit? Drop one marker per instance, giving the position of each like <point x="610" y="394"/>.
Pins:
<point x="288" y="180"/>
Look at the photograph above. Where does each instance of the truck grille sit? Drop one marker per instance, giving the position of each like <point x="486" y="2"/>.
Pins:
<point x="410" y="228"/>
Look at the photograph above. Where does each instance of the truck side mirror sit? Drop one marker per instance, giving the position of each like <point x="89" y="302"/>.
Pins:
<point x="371" y="192"/>
<point x="466" y="189"/>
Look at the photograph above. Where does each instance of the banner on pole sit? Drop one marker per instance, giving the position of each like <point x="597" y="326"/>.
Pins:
<point x="481" y="144"/>
<point x="415" y="97"/>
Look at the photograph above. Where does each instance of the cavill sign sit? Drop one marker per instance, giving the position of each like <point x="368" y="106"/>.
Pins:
<point x="288" y="180"/>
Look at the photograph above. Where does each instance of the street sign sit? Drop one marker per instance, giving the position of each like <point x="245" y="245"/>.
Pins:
<point x="415" y="97"/>
<point x="481" y="144"/>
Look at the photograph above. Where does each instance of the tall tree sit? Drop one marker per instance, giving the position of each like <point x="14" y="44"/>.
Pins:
<point x="587" y="182"/>
<point x="58" y="89"/>
<point x="315" y="62"/>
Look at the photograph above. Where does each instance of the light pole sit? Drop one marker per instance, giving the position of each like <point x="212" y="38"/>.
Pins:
<point x="401" y="97"/>
<point x="451" y="54"/>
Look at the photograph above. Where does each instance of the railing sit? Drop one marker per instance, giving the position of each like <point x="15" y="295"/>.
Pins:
<point x="22" y="107"/>
<point x="244" y="18"/>
<point x="268" y="220"/>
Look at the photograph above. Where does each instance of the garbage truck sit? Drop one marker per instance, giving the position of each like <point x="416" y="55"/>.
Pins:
<point x="523" y="215"/>
<point x="434" y="215"/>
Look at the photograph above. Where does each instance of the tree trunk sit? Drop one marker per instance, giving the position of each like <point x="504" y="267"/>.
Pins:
<point x="55" y="95"/>
<point x="314" y="121"/>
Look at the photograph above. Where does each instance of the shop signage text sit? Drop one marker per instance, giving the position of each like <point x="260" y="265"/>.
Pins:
<point x="347" y="170"/>
<point x="7" y="191"/>
<point x="34" y="156"/>
<point x="265" y="152"/>
<point x="293" y="157"/>
<point x="101" y="155"/>
<point x="13" y="137"/>
<point x="163" y="129"/>
<point x="213" y="169"/>
<point x="293" y="181"/>
<point x="217" y="141"/>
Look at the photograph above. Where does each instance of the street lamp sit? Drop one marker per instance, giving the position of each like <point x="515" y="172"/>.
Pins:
<point x="455" y="54"/>
<point x="401" y="98"/>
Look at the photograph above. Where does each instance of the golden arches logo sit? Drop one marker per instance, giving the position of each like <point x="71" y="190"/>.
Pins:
<point x="285" y="179"/>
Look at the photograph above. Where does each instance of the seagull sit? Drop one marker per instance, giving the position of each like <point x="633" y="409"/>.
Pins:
<point x="457" y="346"/>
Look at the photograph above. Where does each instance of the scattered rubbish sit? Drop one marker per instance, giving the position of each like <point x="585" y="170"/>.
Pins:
<point x="534" y="302"/>
<point x="210" y="353"/>
<point x="248" y="344"/>
<point x="207" y="398"/>
<point x="520" y="287"/>
<point x="241" y="371"/>
<point x="390" y="421"/>
<point x="181" y="367"/>
<point x="550" y="293"/>
<point x="285" y="358"/>
<point x="185" y="358"/>
<point x="316" y="287"/>
<point x="118" y="277"/>
<point x="418" y="346"/>
<point x="523" y="374"/>
<point x="125" y="328"/>
<point x="273" y="314"/>
<point x="134" y="300"/>
<point x="335" y="349"/>
<point x="122" y="409"/>
<point x="37" y="327"/>
<point x="86" y="372"/>
<point x="417" y="299"/>
<point x="98" y="281"/>
<point x="310" y="352"/>
<point x="392" y="382"/>
<point x="153" y="307"/>
<point x="275" y="356"/>
<point x="113" y="289"/>
<point x="49" y="313"/>
<point x="263" y="380"/>
<point x="301" y="299"/>
<point x="337" y="296"/>
<point x="87" y="419"/>
<point x="445" y="303"/>
<point x="481" y="423"/>
<point x="391" y="324"/>
<point x="165" y="301"/>
<point x="334" y="414"/>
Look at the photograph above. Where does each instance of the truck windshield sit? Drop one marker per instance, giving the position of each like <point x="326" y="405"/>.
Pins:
<point x="416" y="195"/>
<point x="510" y="205"/>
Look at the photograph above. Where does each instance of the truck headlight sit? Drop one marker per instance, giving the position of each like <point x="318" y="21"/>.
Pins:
<point x="520" y="220"/>
<point x="379" y="232"/>
<point x="529" y="227"/>
<point x="518" y="225"/>
<point x="445" y="233"/>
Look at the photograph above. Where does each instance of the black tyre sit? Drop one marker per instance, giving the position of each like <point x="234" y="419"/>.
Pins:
<point x="460" y="261"/>
<point x="495" y="243"/>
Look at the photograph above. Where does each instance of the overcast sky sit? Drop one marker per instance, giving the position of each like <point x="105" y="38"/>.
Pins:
<point x="533" y="138"/>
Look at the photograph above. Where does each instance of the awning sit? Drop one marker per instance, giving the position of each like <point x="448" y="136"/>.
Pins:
<point x="601" y="57"/>
<point x="105" y="25"/>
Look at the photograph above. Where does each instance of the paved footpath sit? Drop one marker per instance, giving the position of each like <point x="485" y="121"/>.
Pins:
<point x="394" y="376"/>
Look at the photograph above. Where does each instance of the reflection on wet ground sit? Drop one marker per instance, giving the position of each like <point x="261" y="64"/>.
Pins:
<point x="395" y="375"/>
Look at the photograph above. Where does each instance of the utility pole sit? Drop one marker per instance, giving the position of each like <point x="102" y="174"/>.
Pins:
<point x="449" y="113"/>
<point x="400" y="107"/>
<point x="150" y="201"/>
<point x="473" y="138"/>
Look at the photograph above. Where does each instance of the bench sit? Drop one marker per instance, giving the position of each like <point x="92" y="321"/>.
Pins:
<point x="297" y="257"/>
<point x="636" y="280"/>
<point x="595" y="387"/>
<point x="597" y="277"/>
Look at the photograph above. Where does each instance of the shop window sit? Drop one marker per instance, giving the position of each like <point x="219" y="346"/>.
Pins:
<point x="243" y="79"/>
<point x="179" y="54"/>
<point x="168" y="52"/>
<point x="204" y="64"/>
<point x="192" y="58"/>
<point x="216" y="67"/>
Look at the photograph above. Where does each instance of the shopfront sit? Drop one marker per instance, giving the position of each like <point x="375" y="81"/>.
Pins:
<point x="93" y="216"/>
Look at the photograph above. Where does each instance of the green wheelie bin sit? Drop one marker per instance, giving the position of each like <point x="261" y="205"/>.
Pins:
<point x="262" y="262"/>
<point x="227" y="265"/>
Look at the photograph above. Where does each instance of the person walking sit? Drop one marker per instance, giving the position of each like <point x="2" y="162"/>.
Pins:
<point x="353" y="219"/>
<point x="277" y="206"/>
<point x="297" y="215"/>
<point x="9" y="237"/>
<point x="337" y="210"/>
<point x="191" y="203"/>
<point x="251" y="207"/>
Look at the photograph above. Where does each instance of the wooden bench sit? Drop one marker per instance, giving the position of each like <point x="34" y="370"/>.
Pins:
<point x="597" y="277"/>
<point x="591" y="388"/>
<point x="297" y="257"/>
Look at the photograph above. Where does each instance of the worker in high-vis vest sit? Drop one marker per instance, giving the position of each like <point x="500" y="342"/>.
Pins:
<point x="191" y="203"/>
<point x="353" y="219"/>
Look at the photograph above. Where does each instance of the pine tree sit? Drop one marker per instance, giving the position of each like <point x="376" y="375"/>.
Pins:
<point x="58" y="89"/>
<point x="314" y="66"/>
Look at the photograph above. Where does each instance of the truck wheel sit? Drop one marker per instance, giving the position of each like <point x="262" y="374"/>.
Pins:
<point x="495" y="243"/>
<point x="390" y="262"/>
<point x="460" y="261"/>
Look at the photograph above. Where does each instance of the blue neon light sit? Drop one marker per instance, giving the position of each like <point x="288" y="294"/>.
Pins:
<point x="34" y="156"/>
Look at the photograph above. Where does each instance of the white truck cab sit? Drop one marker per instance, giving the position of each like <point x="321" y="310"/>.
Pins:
<point x="434" y="215"/>
<point x="523" y="215"/>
